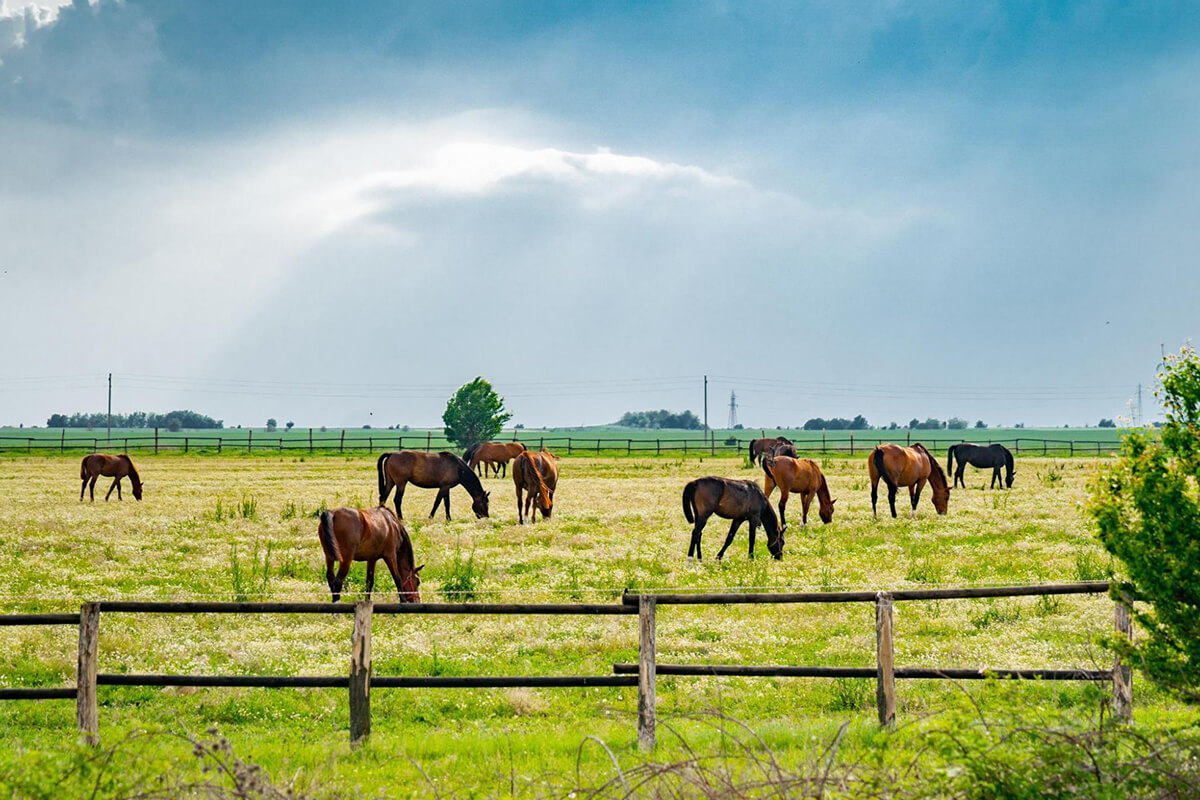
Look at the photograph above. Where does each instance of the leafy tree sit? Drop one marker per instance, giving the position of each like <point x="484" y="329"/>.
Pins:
<point x="474" y="414"/>
<point x="272" y="424"/>
<point x="956" y="424"/>
<point x="290" y="425"/>
<point x="980" y="424"/>
<point x="1147" y="510"/>
<point x="1107" y="423"/>
<point x="662" y="418"/>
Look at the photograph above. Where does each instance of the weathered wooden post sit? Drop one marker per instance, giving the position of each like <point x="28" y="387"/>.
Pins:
<point x="62" y="441"/>
<point x="220" y="441"/>
<point x="310" y="445"/>
<point x="647" y="712"/>
<point x="851" y="444"/>
<point x="360" y="672"/>
<point x="249" y="440"/>
<point x="885" y="660"/>
<point x="1122" y="672"/>
<point x="86" y="713"/>
<point x="658" y="447"/>
<point x="155" y="440"/>
<point x="342" y="442"/>
<point x="428" y="441"/>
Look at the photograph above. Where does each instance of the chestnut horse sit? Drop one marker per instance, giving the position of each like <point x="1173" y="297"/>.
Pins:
<point x="115" y="467"/>
<point x="739" y="501"/>
<point x="494" y="454"/>
<point x="441" y="471"/>
<point x="357" y="534"/>
<point x="536" y="474"/>
<point x="911" y="467"/>
<point x="797" y="475"/>
<point x="778" y="445"/>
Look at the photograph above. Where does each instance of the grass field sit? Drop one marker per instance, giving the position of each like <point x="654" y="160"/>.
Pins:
<point x="225" y="528"/>
<point x="592" y="440"/>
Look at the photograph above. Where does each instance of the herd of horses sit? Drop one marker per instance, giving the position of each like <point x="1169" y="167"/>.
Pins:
<point x="373" y="534"/>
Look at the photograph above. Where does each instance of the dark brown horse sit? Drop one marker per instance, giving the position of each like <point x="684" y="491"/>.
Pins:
<point x="739" y="501"/>
<point x="761" y="447"/>
<point x="115" y="467"/>
<point x="368" y="534"/>
<point x="801" y="475"/>
<point x="907" y="466"/>
<point x="493" y="454"/>
<point x="536" y="474"/>
<point x="441" y="471"/>
<point x="978" y="455"/>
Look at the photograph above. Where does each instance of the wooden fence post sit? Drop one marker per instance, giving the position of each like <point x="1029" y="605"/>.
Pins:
<point x="428" y="441"/>
<point x="86" y="714"/>
<point x="185" y="444"/>
<point x="647" y="661"/>
<point x="220" y="442"/>
<point x="852" y="444"/>
<point x="658" y="447"/>
<point x="62" y="442"/>
<point x="250" y="440"/>
<point x="342" y="443"/>
<point x="360" y="672"/>
<point x="885" y="661"/>
<point x="1122" y="673"/>
<point x="908" y="437"/>
<point x="155" y="440"/>
<point x="310" y="446"/>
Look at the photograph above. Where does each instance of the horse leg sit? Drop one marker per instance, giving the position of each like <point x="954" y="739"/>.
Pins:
<point x="370" y="577"/>
<point x="874" y="496"/>
<point x="389" y="560"/>
<point x="92" y="488"/>
<point x="914" y="492"/>
<point x="398" y="499"/>
<point x="82" y="489"/>
<point x="437" y="501"/>
<point x="783" y="498"/>
<point x="729" y="539"/>
<point x="805" y="502"/>
<point x="697" y="529"/>
<point x="115" y="483"/>
<point x="119" y="488"/>
<point x="520" y="516"/>
<point x="446" y="500"/>
<point x="892" y="500"/>
<point x="753" y="531"/>
<point x="329" y="576"/>
<point x="996" y="477"/>
<point x="958" y="475"/>
<point x="340" y="580"/>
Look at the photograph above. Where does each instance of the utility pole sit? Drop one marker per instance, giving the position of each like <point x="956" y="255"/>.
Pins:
<point x="110" y="406"/>
<point x="706" y="409"/>
<point x="732" y="410"/>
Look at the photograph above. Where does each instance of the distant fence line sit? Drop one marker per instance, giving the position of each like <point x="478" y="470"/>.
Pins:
<point x="319" y="441"/>
<point x="643" y="674"/>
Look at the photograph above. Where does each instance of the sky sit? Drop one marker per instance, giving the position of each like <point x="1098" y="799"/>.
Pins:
<point x="336" y="214"/>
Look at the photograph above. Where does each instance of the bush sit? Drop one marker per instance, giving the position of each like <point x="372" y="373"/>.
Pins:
<point x="474" y="414"/>
<point x="1147" y="511"/>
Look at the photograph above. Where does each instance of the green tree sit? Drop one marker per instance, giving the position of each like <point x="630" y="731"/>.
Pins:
<point x="474" y="414"/>
<point x="1147" y="509"/>
<point x="272" y="423"/>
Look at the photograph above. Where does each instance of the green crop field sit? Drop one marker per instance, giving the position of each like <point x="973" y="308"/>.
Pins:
<point x="229" y="528"/>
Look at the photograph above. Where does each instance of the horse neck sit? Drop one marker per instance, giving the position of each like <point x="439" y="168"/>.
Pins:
<point x="823" y="494"/>
<point x="469" y="480"/>
<point x="133" y="473"/>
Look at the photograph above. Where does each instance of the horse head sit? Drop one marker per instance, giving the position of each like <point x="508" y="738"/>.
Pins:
<point x="479" y="504"/>
<point x="826" y="511"/>
<point x="410" y="586"/>
<point x="137" y="487"/>
<point x="941" y="497"/>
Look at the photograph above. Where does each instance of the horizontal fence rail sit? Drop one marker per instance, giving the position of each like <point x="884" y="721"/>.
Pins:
<point x="643" y="674"/>
<point x="340" y="442"/>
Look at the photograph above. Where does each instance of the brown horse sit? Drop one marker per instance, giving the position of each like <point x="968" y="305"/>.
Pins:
<point x="911" y="467"/>
<point x="441" y="471"/>
<point x="797" y="475"/>
<point x="761" y="447"/>
<point x="739" y="501"/>
<point x="537" y="474"/>
<point x="493" y="454"/>
<point x="358" y="534"/>
<point x="115" y="467"/>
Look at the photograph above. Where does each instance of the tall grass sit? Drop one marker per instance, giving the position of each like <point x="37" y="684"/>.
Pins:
<point x="251" y="578"/>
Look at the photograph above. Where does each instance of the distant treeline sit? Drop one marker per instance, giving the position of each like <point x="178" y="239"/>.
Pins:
<point x="662" y="418"/>
<point x="172" y="420"/>
<point x="859" y="423"/>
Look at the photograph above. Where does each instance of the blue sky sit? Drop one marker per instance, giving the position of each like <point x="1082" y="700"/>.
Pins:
<point x="337" y="213"/>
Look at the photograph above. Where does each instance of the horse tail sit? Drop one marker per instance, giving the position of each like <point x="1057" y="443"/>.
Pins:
<point x="883" y="473"/>
<point x="768" y="465"/>
<point x="950" y="459"/>
<point x="325" y="530"/>
<point x="689" y="501"/>
<point x="383" y="481"/>
<point x="83" y="470"/>
<point x="467" y="456"/>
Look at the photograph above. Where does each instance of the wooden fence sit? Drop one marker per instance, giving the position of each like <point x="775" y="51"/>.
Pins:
<point x="360" y="680"/>
<point x="338" y="442"/>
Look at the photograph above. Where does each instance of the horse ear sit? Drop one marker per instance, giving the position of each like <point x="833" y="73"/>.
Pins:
<point x="487" y="494"/>
<point x="833" y="502"/>
<point x="418" y="569"/>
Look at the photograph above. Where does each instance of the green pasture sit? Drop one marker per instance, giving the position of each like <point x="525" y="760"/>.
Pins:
<point x="234" y="528"/>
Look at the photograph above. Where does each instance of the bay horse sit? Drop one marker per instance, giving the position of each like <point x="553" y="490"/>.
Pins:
<point x="740" y="501"/>
<point x="537" y="475"/>
<point x="368" y="534"/>
<point x="115" y="467"/>
<point x="801" y="475"/>
<point x="907" y="466"/>
<point x="977" y="455"/>
<point x="760" y="447"/>
<point x="493" y="454"/>
<point x="441" y="471"/>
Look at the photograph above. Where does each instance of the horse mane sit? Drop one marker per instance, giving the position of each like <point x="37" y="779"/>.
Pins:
<point x="823" y="490"/>
<point x="133" y="473"/>
<point x="934" y="467"/>
<point x="466" y="475"/>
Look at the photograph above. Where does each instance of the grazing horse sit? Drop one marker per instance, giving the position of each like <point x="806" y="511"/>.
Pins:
<point x="911" y="467"/>
<point x="493" y="454"/>
<point x="735" y="500"/>
<point x="977" y="455"/>
<point x="115" y="467"/>
<point x="368" y="534"/>
<point x="441" y="471"/>
<point x="797" y="475"/>
<point x="536" y="474"/>
<point x="761" y="447"/>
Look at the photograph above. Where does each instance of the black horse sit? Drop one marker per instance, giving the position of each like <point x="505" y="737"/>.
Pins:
<point x="740" y="501"/>
<point x="983" y="456"/>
